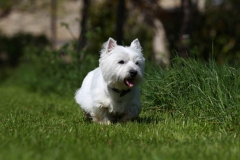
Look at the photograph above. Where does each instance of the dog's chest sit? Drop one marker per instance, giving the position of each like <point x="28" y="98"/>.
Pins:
<point x="113" y="102"/>
<point x="119" y="106"/>
<point x="114" y="106"/>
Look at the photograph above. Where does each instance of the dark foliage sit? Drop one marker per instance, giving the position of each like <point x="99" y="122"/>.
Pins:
<point x="217" y="33"/>
<point x="12" y="48"/>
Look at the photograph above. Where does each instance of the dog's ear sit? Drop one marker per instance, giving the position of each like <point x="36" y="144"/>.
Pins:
<point x="136" y="45"/>
<point x="110" y="44"/>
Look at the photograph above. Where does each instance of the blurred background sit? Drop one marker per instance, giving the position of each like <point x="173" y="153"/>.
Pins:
<point x="63" y="34"/>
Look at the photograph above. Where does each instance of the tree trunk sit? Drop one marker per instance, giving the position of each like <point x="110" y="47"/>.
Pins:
<point x="120" y="21"/>
<point x="82" y="40"/>
<point x="159" y="44"/>
<point x="53" y="23"/>
<point x="185" y="30"/>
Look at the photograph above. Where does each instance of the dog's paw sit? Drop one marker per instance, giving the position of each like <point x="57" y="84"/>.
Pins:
<point x="105" y="122"/>
<point x="102" y="120"/>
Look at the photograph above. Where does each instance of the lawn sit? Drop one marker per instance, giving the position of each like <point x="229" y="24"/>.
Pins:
<point x="190" y="111"/>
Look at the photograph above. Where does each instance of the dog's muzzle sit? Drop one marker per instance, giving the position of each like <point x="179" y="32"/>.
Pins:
<point x="130" y="80"/>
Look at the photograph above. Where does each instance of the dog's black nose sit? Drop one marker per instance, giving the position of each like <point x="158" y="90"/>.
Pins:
<point x="133" y="73"/>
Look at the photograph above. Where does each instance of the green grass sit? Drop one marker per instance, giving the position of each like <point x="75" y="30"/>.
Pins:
<point x="190" y="111"/>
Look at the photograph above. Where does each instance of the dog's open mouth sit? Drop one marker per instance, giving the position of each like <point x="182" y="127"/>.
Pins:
<point x="129" y="82"/>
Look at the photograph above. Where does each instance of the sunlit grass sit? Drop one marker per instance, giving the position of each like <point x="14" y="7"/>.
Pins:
<point x="190" y="111"/>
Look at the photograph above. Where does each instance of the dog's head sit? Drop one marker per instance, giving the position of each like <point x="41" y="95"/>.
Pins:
<point x="122" y="67"/>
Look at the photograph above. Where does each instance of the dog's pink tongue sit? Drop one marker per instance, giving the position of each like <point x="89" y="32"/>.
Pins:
<point x="129" y="82"/>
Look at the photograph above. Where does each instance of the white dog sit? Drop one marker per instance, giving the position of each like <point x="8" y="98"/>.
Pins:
<point x="110" y="93"/>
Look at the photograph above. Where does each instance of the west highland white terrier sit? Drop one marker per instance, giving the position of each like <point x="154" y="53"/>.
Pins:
<point x="110" y="93"/>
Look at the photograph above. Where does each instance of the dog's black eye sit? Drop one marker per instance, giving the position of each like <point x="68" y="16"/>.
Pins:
<point x="137" y="63"/>
<point x="121" y="62"/>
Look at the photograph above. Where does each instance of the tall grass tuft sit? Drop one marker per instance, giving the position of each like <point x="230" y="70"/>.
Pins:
<point x="204" y="91"/>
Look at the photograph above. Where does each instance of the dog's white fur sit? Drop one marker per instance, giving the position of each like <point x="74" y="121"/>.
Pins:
<point x="120" y="70"/>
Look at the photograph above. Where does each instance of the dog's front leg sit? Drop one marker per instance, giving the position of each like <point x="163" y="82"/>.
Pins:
<point x="102" y="116"/>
